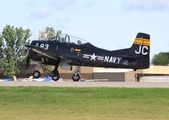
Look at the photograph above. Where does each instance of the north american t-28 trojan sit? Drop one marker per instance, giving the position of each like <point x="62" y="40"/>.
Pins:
<point x="67" y="51"/>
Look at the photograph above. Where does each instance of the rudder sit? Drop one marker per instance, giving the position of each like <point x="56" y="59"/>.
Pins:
<point x="141" y="50"/>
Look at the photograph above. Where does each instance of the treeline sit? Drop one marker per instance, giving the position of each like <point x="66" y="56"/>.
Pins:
<point x="161" y="58"/>
<point x="13" y="52"/>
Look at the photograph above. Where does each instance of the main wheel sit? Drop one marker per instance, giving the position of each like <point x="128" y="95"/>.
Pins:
<point x="76" y="77"/>
<point x="36" y="74"/>
<point x="55" y="77"/>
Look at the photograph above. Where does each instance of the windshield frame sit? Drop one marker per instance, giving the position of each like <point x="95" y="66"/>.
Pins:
<point x="65" y="38"/>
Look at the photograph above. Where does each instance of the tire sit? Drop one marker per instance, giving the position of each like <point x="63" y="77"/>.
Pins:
<point x="76" y="77"/>
<point x="55" y="77"/>
<point x="36" y="74"/>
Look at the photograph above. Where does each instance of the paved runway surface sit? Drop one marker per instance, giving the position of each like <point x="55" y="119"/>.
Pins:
<point x="88" y="84"/>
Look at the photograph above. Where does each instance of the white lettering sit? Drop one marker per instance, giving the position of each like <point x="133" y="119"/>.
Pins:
<point x="139" y="51"/>
<point x="142" y="50"/>
<point x="112" y="59"/>
<point x="37" y="44"/>
<point x="106" y="59"/>
<point x="41" y="45"/>
<point x="44" y="46"/>
<point x="119" y="60"/>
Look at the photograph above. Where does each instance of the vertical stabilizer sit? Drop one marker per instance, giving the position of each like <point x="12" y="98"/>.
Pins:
<point x="141" y="50"/>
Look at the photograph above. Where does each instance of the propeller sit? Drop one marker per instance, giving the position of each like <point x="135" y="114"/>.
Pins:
<point x="27" y="59"/>
<point x="27" y="62"/>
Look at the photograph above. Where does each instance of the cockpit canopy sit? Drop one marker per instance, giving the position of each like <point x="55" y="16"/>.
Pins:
<point x="68" y="39"/>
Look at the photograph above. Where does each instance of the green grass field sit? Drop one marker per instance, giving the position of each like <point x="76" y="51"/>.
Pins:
<point x="63" y="103"/>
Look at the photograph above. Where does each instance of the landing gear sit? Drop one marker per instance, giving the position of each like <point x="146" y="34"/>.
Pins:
<point x="76" y="76"/>
<point x="55" y="74"/>
<point x="36" y="74"/>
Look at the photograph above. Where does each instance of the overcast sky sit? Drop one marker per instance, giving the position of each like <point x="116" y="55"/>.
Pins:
<point x="109" y="24"/>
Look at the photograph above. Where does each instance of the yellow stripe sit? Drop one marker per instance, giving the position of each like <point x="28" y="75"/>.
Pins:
<point x="141" y="41"/>
<point x="77" y="50"/>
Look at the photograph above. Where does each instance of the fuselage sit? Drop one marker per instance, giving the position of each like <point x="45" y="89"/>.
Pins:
<point x="82" y="55"/>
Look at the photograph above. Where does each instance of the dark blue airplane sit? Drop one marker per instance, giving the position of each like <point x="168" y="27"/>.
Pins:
<point x="66" y="51"/>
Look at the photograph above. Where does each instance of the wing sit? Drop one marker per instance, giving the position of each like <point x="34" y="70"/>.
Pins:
<point x="51" y="55"/>
<point x="42" y="51"/>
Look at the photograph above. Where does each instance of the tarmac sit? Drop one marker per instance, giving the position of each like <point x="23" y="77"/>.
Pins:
<point x="87" y="84"/>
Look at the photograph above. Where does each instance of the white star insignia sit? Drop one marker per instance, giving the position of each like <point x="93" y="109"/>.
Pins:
<point x="93" y="57"/>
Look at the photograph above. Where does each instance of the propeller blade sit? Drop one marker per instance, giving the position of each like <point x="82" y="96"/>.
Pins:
<point x="27" y="62"/>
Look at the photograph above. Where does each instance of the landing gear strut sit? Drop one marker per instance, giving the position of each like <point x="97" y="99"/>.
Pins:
<point x="55" y="74"/>
<point x="76" y="75"/>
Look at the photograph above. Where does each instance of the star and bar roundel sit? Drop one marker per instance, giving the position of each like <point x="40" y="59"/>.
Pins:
<point x="95" y="57"/>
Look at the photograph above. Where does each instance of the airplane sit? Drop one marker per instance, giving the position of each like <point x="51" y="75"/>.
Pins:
<point x="65" y="51"/>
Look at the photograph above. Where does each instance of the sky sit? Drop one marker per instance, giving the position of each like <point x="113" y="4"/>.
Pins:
<point x="108" y="24"/>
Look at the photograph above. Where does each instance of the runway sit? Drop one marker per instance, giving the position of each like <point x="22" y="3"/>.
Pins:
<point x="88" y="84"/>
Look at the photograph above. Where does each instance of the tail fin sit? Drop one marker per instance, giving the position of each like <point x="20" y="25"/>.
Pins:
<point x="141" y="50"/>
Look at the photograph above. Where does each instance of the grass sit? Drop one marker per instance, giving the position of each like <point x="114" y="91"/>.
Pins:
<point x="66" y="103"/>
